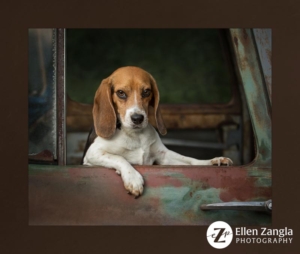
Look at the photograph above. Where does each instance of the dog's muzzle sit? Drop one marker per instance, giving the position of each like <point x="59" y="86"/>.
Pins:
<point x="137" y="118"/>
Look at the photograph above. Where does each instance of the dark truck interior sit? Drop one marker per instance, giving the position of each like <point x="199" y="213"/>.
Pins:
<point x="200" y="95"/>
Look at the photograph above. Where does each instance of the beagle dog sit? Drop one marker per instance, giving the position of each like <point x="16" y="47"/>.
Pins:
<point x="122" y="135"/>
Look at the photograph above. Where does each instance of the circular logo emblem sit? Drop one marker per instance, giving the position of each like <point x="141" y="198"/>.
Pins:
<point x="219" y="234"/>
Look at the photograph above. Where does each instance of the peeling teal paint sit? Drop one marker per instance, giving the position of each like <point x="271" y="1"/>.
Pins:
<point x="256" y="93"/>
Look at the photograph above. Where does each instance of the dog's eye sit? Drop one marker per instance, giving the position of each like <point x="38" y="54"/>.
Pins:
<point x="146" y="93"/>
<point x="121" y="94"/>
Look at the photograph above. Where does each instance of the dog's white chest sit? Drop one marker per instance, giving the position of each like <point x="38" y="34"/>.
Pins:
<point x="134" y="148"/>
<point x="137" y="150"/>
<point x="140" y="156"/>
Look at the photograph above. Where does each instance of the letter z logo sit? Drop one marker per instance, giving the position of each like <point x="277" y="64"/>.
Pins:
<point x="219" y="235"/>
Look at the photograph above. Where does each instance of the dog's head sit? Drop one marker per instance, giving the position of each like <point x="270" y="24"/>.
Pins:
<point x="126" y="95"/>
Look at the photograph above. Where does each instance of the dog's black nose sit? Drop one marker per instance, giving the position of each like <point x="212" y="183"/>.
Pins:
<point x="137" y="118"/>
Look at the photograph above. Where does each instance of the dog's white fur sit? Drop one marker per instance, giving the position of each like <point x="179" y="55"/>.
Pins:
<point x="136" y="144"/>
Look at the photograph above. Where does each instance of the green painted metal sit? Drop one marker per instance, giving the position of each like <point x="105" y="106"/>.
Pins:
<point x="62" y="195"/>
<point x="263" y="39"/>
<point x="252" y="79"/>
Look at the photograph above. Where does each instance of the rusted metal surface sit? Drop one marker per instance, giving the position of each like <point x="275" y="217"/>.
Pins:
<point x="79" y="116"/>
<point x="233" y="107"/>
<point x="45" y="155"/>
<point x="61" y="97"/>
<point x="76" y="142"/>
<point x="199" y="116"/>
<point x="257" y="100"/>
<point x="194" y="121"/>
<point x="41" y="91"/>
<point x="172" y="195"/>
<point x="263" y="39"/>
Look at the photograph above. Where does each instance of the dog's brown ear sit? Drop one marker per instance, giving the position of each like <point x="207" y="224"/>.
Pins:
<point x="155" y="103"/>
<point x="104" y="115"/>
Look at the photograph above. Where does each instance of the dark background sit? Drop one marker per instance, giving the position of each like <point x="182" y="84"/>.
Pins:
<point x="176" y="58"/>
<point x="18" y="237"/>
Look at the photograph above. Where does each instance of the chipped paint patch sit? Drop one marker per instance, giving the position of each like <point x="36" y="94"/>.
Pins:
<point x="96" y="196"/>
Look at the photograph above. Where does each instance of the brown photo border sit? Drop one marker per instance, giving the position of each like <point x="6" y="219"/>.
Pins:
<point x="284" y="19"/>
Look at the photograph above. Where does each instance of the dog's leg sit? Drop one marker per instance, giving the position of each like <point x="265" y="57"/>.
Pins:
<point x="164" y="156"/>
<point x="132" y="179"/>
<point x="168" y="157"/>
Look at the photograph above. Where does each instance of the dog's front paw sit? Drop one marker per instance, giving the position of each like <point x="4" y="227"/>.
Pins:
<point x="133" y="181"/>
<point x="221" y="161"/>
